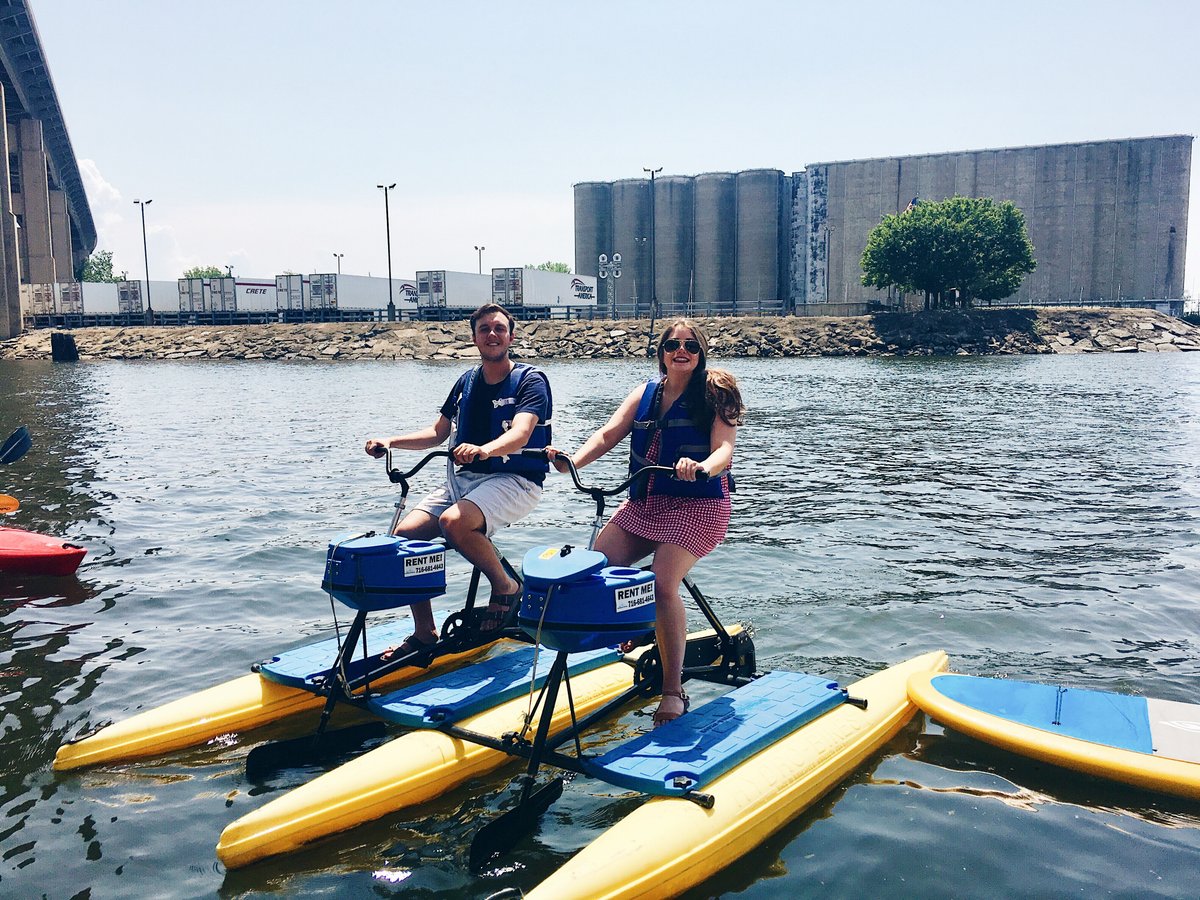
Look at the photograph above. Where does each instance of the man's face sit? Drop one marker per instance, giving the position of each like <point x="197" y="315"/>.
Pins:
<point x="492" y="337"/>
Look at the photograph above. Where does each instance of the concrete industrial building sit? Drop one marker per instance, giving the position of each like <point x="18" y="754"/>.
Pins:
<point x="46" y="227"/>
<point x="1108" y="221"/>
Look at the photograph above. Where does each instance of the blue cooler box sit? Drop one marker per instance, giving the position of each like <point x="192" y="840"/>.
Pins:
<point x="383" y="571"/>
<point x="593" y="605"/>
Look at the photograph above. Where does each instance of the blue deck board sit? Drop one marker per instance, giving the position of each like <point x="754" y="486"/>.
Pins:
<point x="1099" y="717"/>
<point x="453" y="696"/>
<point x="296" y="668"/>
<point x="712" y="739"/>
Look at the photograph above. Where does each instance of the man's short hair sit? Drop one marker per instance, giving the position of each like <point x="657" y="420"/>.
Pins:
<point x="487" y="309"/>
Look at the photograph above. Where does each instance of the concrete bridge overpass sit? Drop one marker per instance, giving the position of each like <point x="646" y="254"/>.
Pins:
<point x="46" y="227"/>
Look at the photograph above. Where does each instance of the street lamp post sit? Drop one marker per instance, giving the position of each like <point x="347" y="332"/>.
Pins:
<point x="339" y="256"/>
<point x="146" y="256"/>
<point x="387" y="221"/>
<point x="480" y="250"/>
<point x="228" y="271"/>
<point x="653" y="274"/>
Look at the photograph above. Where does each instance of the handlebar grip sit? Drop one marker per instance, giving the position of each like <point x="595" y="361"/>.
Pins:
<point x="701" y="475"/>
<point x="534" y="452"/>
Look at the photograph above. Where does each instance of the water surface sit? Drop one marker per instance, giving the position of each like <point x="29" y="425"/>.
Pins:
<point x="1036" y="517"/>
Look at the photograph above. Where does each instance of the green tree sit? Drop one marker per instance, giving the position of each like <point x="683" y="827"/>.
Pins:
<point x="969" y="248"/>
<point x="98" y="267"/>
<point x="204" y="272"/>
<point x="552" y="267"/>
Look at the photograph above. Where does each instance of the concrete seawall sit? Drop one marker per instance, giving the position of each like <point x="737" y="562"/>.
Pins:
<point x="947" y="333"/>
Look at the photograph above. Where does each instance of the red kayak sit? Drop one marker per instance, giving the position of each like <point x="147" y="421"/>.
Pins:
<point x="37" y="554"/>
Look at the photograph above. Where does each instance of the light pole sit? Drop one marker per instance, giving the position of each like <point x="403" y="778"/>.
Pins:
<point x="480" y="250"/>
<point x="612" y="271"/>
<point x="228" y="271"/>
<point x="653" y="274"/>
<point x="387" y="222"/>
<point x="146" y="256"/>
<point x="339" y="256"/>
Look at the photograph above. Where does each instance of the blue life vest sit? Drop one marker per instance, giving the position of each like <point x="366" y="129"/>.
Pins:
<point x="681" y="437"/>
<point x="501" y="416"/>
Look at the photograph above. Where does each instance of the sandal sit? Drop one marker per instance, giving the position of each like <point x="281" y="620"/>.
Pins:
<point x="662" y="718"/>
<point x="497" y="611"/>
<point x="410" y="644"/>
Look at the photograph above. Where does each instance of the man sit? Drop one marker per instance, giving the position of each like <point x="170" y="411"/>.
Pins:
<point x="493" y="411"/>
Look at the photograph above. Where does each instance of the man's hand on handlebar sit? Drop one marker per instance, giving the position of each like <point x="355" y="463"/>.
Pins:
<point x="376" y="448"/>
<point x="465" y="453"/>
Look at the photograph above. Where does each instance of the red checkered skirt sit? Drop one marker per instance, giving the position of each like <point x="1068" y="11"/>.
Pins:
<point x="697" y="524"/>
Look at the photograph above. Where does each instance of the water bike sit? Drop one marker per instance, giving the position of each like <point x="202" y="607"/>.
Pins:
<point x="367" y="572"/>
<point x="721" y="778"/>
<point x="27" y="552"/>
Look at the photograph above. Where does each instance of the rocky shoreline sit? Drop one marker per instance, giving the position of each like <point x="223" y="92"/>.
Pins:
<point x="938" y="333"/>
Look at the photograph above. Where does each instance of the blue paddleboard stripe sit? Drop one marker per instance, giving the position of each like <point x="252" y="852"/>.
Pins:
<point x="295" y="668"/>
<point x="712" y="739"/>
<point x="452" y="696"/>
<point x="1099" y="717"/>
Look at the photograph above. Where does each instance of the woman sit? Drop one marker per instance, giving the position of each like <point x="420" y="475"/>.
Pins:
<point x="687" y="419"/>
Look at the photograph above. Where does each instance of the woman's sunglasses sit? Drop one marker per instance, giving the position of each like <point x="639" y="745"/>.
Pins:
<point x="691" y="345"/>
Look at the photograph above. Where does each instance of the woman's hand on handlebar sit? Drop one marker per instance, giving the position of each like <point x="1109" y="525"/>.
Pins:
<point x="376" y="448"/>
<point x="690" y="470"/>
<point x="553" y="454"/>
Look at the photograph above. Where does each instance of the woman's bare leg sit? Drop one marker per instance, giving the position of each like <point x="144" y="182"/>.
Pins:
<point x="671" y="564"/>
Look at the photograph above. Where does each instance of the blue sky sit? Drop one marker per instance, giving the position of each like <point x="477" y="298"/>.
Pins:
<point x="260" y="128"/>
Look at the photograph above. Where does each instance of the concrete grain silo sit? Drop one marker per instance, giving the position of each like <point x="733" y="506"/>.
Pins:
<point x="1108" y="221"/>
<point x="715" y="240"/>
<point x="631" y="238"/>
<point x="593" y="227"/>
<point x="673" y="239"/>
<point x="759" y="214"/>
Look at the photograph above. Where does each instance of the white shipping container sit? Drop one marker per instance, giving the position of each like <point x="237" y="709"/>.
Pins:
<point x="70" y="298"/>
<point x="363" y="292"/>
<point x="129" y="297"/>
<point x="252" y="294"/>
<point x="102" y="297"/>
<point x="192" y="294"/>
<point x="438" y="288"/>
<point x="291" y="292"/>
<point x="255" y="294"/>
<point x="540" y="289"/>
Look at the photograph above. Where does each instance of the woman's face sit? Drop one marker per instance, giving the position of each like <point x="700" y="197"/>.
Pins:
<point x="677" y="359"/>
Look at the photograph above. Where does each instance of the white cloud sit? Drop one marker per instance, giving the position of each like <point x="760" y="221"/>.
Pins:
<point x="100" y="192"/>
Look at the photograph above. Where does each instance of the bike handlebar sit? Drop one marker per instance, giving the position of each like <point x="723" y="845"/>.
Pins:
<point x="398" y="477"/>
<point x="595" y="491"/>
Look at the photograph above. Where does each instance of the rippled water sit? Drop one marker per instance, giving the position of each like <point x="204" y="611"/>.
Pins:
<point x="1035" y="517"/>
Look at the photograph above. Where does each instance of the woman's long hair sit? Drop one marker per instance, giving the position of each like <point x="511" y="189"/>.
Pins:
<point x="710" y="392"/>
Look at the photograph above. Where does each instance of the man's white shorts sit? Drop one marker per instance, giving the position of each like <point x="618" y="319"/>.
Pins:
<point x="502" y="497"/>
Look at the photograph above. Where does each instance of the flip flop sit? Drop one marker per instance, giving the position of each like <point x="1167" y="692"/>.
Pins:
<point x="410" y="644"/>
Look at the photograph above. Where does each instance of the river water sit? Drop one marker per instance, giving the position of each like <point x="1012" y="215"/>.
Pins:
<point x="1036" y="517"/>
